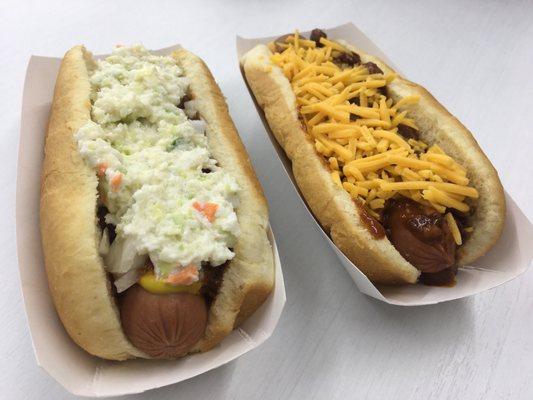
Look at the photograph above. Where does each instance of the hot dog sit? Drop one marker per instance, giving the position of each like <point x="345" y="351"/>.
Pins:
<point x="399" y="184"/>
<point x="153" y="223"/>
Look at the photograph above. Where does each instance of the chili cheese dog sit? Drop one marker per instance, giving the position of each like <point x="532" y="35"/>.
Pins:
<point x="153" y="223"/>
<point x="399" y="184"/>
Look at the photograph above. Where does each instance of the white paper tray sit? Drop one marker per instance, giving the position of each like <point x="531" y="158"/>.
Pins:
<point x="79" y="372"/>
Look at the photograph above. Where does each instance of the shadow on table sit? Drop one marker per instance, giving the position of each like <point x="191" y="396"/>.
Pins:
<point x="215" y="379"/>
<point x="435" y="326"/>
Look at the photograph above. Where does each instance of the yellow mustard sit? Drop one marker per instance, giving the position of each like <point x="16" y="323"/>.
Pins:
<point x="153" y="285"/>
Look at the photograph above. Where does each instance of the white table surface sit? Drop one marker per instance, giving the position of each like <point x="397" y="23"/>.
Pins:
<point x="332" y="341"/>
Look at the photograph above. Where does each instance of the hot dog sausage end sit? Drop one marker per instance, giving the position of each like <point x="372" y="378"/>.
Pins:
<point x="163" y="326"/>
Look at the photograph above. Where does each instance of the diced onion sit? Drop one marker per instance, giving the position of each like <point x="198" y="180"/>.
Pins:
<point x="190" y="108"/>
<point x="103" y="247"/>
<point x="122" y="256"/>
<point x="127" y="280"/>
<point x="199" y="125"/>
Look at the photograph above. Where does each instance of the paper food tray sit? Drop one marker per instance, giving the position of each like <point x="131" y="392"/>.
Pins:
<point x="508" y="259"/>
<point x="79" y="372"/>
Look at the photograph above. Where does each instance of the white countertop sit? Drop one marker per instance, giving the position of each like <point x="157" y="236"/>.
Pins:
<point x="332" y="341"/>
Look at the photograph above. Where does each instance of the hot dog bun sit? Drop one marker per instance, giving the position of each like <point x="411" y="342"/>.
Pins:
<point x="80" y="287"/>
<point x="333" y="207"/>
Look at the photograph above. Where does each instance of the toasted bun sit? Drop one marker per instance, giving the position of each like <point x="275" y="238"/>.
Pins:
<point x="333" y="206"/>
<point x="79" y="285"/>
<point x="250" y="277"/>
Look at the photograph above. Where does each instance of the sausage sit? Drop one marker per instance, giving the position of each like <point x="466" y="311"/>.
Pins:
<point x="420" y="234"/>
<point x="164" y="326"/>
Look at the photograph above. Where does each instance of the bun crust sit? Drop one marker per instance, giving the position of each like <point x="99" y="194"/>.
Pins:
<point x="250" y="277"/>
<point x="333" y="206"/>
<point x="78" y="282"/>
<point x="80" y="287"/>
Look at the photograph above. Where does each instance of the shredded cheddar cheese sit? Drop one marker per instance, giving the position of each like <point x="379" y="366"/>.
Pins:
<point x="355" y="127"/>
<point x="454" y="229"/>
